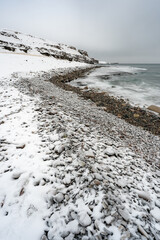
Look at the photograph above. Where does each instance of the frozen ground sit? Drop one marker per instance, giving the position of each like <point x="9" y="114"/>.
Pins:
<point x="65" y="172"/>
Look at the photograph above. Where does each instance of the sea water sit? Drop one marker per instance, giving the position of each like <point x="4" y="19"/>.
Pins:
<point x="138" y="83"/>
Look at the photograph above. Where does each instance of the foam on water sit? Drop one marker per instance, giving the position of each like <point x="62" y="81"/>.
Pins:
<point x="140" y="84"/>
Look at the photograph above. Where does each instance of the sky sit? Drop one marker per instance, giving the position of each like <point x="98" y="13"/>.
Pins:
<point x="124" y="31"/>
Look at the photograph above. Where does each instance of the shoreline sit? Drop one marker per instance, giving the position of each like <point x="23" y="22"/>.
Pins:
<point x="134" y="115"/>
<point x="75" y="159"/>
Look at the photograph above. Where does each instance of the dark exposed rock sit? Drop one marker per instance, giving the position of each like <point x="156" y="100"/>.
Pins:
<point x="83" y="52"/>
<point x="71" y="47"/>
<point x="12" y="49"/>
<point x="8" y="34"/>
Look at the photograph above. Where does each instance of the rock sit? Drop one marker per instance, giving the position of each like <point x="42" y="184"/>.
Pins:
<point x="54" y="138"/>
<point x="106" y="232"/>
<point x="89" y="154"/>
<point x="158" y="173"/>
<point x="135" y="115"/>
<point x="16" y="175"/>
<point x="66" y="197"/>
<point x="81" y="163"/>
<point x="21" y="146"/>
<point x="52" y="112"/>
<point x="71" y="47"/>
<point x="109" y="151"/>
<point x="157" y="203"/>
<point x="154" y="108"/>
<point x="73" y="227"/>
<point x="144" y="195"/>
<point x="73" y="215"/>
<point x="156" y="213"/>
<point x="124" y="214"/>
<point x="98" y="176"/>
<point x="59" y="197"/>
<point x="59" y="149"/>
<point x="96" y="182"/>
<point x="64" y="234"/>
<point x="84" y="220"/>
<point x="44" y="237"/>
<point x="142" y="231"/>
<point x="121" y="183"/>
<point x="109" y="219"/>
<point x="83" y="52"/>
<point x="70" y="237"/>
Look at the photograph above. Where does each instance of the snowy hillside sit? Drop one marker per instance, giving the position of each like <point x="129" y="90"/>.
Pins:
<point x="15" y="42"/>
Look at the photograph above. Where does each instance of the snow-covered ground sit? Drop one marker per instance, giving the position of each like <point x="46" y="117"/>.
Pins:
<point x="11" y="63"/>
<point x="65" y="173"/>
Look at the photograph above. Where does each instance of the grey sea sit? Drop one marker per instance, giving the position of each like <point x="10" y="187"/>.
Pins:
<point x="138" y="83"/>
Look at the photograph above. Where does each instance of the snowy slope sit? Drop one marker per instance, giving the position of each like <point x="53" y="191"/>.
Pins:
<point x="11" y="63"/>
<point x="16" y="42"/>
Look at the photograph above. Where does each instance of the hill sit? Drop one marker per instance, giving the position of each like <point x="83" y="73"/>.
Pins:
<point x="20" y="43"/>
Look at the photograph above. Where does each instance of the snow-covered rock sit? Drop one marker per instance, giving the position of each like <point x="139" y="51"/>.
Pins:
<point x="156" y="213"/>
<point x="84" y="219"/>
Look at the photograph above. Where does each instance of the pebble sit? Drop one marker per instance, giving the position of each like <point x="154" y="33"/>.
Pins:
<point x="156" y="213"/>
<point x="97" y="182"/>
<point x="21" y="146"/>
<point x="124" y="214"/>
<point x="64" y="234"/>
<point x="16" y="175"/>
<point x="70" y="237"/>
<point x="109" y="219"/>
<point x="144" y="195"/>
<point x="157" y="203"/>
<point x="142" y="231"/>
<point x="59" y="149"/>
<point x="44" y="237"/>
<point x="158" y="173"/>
<point x="54" y="138"/>
<point x="84" y="219"/>
<point x="98" y="176"/>
<point x="59" y="197"/>
<point x="109" y="151"/>
<point x="121" y="183"/>
<point x="89" y="154"/>
<point x="81" y="163"/>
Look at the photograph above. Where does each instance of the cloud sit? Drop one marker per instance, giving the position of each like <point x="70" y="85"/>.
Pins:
<point x="127" y="30"/>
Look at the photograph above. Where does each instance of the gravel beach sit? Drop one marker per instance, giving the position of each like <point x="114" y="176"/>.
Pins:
<point x="81" y="179"/>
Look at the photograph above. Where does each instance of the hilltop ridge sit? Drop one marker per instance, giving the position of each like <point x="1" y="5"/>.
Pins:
<point x="16" y="42"/>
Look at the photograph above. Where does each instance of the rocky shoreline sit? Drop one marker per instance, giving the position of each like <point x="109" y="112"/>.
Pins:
<point x="99" y="188"/>
<point x="67" y="171"/>
<point x="119" y="107"/>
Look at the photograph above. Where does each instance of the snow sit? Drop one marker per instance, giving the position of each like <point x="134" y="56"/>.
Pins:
<point x="20" y="214"/>
<point x="24" y="63"/>
<point x="24" y="206"/>
<point x="49" y="163"/>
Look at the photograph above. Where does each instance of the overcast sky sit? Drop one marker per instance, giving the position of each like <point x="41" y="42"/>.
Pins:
<point x="111" y="30"/>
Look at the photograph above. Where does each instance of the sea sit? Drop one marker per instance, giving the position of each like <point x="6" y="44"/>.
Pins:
<point x="137" y="83"/>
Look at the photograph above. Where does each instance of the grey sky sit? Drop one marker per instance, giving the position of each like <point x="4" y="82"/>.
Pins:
<point x="112" y="30"/>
